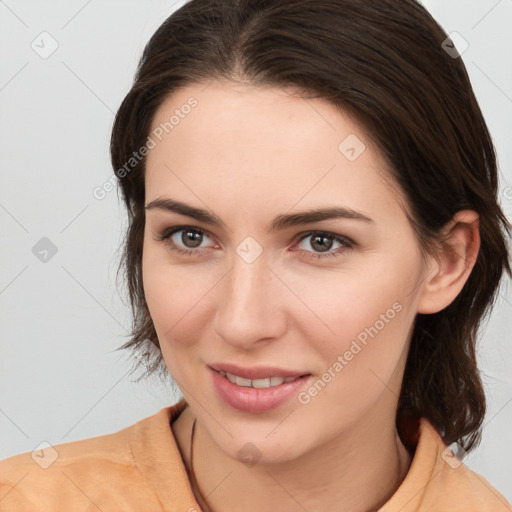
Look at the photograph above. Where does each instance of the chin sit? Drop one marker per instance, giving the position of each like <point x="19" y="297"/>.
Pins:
<point x="262" y="451"/>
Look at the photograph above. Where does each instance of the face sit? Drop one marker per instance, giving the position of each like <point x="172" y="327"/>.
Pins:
<point x="258" y="290"/>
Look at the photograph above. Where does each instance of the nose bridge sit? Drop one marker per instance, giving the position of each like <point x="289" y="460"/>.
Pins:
<point x="247" y="308"/>
<point x="247" y="290"/>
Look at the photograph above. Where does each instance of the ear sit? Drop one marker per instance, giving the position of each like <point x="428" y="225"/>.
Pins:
<point x="450" y="268"/>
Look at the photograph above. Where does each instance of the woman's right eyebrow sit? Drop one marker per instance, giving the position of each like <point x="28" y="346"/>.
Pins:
<point x="281" y="222"/>
<point x="171" y="205"/>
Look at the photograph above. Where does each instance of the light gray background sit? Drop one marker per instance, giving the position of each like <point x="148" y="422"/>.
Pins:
<point x="61" y="320"/>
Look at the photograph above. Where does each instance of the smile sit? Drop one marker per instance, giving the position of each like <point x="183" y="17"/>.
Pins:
<point x="266" y="390"/>
<point x="257" y="383"/>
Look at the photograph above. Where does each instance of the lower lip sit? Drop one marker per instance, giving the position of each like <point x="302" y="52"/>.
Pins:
<point x="255" y="400"/>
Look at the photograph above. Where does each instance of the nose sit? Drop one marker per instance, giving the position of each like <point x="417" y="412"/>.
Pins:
<point x="251" y="308"/>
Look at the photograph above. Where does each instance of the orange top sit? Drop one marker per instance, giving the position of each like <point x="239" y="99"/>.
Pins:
<point x="140" y="469"/>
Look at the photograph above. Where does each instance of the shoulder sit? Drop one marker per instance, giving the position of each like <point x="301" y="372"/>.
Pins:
<point x="438" y="481"/>
<point x="81" y="474"/>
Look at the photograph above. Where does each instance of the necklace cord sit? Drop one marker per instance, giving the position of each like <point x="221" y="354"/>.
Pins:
<point x="192" y="474"/>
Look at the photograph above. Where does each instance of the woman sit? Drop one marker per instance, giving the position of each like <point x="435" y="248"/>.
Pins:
<point x="313" y="241"/>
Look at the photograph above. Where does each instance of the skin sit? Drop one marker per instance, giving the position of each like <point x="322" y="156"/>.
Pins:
<point x="247" y="155"/>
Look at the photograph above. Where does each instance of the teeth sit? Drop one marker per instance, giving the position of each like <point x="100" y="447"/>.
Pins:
<point x="261" y="383"/>
<point x="257" y="383"/>
<point x="239" y="381"/>
<point x="231" y="378"/>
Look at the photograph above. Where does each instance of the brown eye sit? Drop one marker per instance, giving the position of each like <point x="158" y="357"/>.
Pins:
<point x="322" y="243"/>
<point x="188" y="242"/>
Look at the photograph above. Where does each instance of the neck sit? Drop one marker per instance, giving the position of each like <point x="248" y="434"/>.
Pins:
<point x="358" y="472"/>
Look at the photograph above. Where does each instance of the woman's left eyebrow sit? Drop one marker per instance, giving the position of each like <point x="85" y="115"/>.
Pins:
<point x="281" y="222"/>
<point x="310" y="216"/>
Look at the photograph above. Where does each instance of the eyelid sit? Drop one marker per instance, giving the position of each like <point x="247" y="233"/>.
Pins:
<point x="169" y="232"/>
<point x="335" y="236"/>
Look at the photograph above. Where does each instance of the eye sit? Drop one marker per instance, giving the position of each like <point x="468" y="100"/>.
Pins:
<point x="323" y="242"/>
<point x="190" y="237"/>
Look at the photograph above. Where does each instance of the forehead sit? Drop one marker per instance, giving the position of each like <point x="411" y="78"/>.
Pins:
<point x="269" y="120"/>
<point x="265" y="145"/>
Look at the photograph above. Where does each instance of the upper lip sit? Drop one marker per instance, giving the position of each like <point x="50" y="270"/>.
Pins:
<point x="256" y="372"/>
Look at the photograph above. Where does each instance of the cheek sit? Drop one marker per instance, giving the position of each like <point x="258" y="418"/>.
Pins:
<point x="361" y="324"/>
<point x="177" y="298"/>
<point x="360" y="366"/>
<point x="343" y="305"/>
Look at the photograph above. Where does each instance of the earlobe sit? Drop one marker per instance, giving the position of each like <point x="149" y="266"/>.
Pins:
<point x="453" y="263"/>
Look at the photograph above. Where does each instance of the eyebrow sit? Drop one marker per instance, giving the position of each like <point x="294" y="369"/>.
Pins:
<point x="280" y="222"/>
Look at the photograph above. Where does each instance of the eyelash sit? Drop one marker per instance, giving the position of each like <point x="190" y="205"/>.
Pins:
<point x="167" y="233"/>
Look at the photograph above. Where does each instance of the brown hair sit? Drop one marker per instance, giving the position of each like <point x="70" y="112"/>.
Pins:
<point x="382" y="61"/>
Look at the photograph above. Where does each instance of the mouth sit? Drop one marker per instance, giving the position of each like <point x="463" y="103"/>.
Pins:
<point x="256" y="390"/>
<point x="256" y="372"/>
<point x="268" y="382"/>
